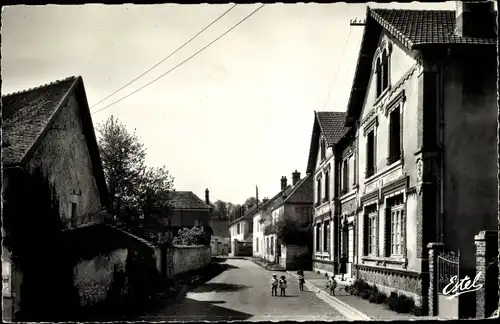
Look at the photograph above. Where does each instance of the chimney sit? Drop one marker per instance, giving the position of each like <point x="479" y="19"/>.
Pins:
<point x="283" y="183"/>
<point x="295" y="177"/>
<point x="264" y="200"/>
<point x="475" y="19"/>
<point x="207" y="196"/>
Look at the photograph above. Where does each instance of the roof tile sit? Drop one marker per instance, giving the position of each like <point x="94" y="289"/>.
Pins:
<point x="187" y="199"/>
<point x="332" y="126"/>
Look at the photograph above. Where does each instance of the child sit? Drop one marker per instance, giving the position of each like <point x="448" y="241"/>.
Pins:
<point x="274" y="286"/>
<point x="301" y="279"/>
<point x="331" y="284"/>
<point x="282" y="286"/>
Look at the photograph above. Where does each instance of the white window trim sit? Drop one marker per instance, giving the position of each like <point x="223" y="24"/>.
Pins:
<point x="401" y="209"/>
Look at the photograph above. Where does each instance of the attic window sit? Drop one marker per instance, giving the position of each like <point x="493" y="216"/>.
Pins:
<point x="323" y="148"/>
<point x="382" y="72"/>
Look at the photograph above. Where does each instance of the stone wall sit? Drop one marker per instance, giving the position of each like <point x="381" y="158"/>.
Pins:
<point x="324" y="266"/>
<point x="487" y="272"/>
<point x="187" y="258"/>
<point x="295" y="257"/>
<point x="389" y="280"/>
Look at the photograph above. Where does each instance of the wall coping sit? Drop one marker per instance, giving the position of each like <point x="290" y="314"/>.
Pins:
<point x="483" y="235"/>
<point x="190" y="246"/>
<point x="435" y="245"/>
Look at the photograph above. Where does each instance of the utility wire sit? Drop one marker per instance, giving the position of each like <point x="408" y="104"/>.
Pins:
<point x="337" y="70"/>
<point x="186" y="60"/>
<point x="166" y="58"/>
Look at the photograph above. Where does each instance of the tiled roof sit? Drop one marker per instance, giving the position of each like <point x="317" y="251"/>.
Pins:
<point x="187" y="200"/>
<point x="424" y="27"/>
<point x="302" y="192"/>
<point x="26" y="115"/>
<point x="220" y="228"/>
<point x="332" y="126"/>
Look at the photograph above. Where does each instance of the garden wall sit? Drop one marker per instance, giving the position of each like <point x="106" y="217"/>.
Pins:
<point x="186" y="258"/>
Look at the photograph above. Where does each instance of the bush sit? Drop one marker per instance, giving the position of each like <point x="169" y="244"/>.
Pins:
<point x="193" y="236"/>
<point x="292" y="231"/>
<point x="400" y="303"/>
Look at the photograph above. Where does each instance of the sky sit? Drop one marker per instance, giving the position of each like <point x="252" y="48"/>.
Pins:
<point x="238" y="115"/>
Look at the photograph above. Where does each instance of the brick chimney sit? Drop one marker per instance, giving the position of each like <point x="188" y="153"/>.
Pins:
<point x="295" y="177"/>
<point x="283" y="183"/>
<point x="475" y="19"/>
<point x="207" y="196"/>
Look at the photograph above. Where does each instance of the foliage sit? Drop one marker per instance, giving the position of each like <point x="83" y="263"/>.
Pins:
<point x="136" y="192"/>
<point x="399" y="303"/>
<point x="293" y="231"/>
<point x="192" y="236"/>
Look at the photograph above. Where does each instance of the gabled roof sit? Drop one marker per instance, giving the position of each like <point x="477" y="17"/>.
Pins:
<point x="414" y="29"/>
<point x="302" y="192"/>
<point x="187" y="200"/>
<point x="332" y="125"/>
<point x="220" y="228"/>
<point x="29" y="114"/>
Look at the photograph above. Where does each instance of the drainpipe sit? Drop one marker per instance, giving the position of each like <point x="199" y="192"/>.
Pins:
<point x="441" y="94"/>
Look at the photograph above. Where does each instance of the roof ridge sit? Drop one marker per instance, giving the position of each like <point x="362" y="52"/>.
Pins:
<point x="75" y="77"/>
<point x="297" y="186"/>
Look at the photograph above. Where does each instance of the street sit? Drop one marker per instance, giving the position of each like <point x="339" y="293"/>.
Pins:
<point x="243" y="293"/>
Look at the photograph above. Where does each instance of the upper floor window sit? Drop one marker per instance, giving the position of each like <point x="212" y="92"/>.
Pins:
<point x="318" y="237"/>
<point x="323" y="149"/>
<point x="394" y="136"/>
<point x="238" y="228"/>
<point x="327" y="185"/>
<point x="345" y="176"/>
<point x="318" y="191"/>
<point x="370" y="153"/>
<point x="382" y="72"/>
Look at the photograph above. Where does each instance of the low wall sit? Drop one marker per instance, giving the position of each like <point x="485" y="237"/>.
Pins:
<point x="187" y="258"/>
<point x="295" y="257"/>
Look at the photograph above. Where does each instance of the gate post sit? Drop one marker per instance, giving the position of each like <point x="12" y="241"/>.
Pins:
<point x="434" y="249"/>
<point x="486" y="251"/>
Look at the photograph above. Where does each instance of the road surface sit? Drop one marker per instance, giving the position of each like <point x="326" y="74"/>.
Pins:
<point x="243" y="293"/>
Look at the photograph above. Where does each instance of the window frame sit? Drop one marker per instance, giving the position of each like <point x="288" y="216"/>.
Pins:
<point x="395" y="149"/>
<point x="318" y="190"/>
<point x="326" y="235"/>
<point x="396" y="237"/>
<point x="371" y="156"/>
<point x="326" y="185"/>
<point x="318" y="237"/>
<point x="322" y="148"/>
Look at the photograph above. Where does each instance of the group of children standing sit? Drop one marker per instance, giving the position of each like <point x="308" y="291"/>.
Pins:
<point x="331" y="284"/>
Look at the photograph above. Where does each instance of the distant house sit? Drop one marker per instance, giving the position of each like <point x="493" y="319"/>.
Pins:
<point x="189" y="211"/>
<point x="293" y="202"/>
<point x="48" y="131"/>
<point x="220" y="241"/>
<point x="241" y="231"/>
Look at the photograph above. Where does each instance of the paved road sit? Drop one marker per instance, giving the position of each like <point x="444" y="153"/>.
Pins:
<point x="242" y="293"/>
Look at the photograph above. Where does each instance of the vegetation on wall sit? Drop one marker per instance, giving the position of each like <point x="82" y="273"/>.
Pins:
<point x="293" y="231"/>
<point x="192" y="236"/>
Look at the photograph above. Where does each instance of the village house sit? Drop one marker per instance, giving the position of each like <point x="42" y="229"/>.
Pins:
<point x="423" y="106"/>
<point x="48" y="131"/>
<point x="241" y="231"/>
<point x="325" y="166"/>
<point x="188" y="211"/>
<point x="258" y="231"/>
<point x="220" y="240"/>
<point x="293" y="206"/>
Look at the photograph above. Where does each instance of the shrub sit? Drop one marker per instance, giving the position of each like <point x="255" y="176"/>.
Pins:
<point x="292" y="231"/>
<point x="400" y="303"/>
<point x="192" y="236"/>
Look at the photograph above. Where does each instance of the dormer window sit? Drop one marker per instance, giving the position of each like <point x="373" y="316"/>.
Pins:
<point x="323" y="149"/>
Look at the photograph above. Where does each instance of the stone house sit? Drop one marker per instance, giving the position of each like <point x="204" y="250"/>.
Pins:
<point x="323" y="163"/>
<point x="425" y="128"/>
<point x="48" y="130"/>
<point x="220" y="240"/>
<point x="188" y="210"/>
<point x="241" y="231"/>
<point x="291" y="203"/>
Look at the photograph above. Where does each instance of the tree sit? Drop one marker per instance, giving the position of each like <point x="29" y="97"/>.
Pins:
<point x="251" y="201"/>
<point x="123" y="160"/>
<point x="155" y="193"/>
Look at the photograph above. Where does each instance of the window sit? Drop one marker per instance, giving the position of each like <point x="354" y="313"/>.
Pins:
<point x="394" y="136"/>
<point x="73" y="210"/>
<point x="385" y="70"/>
<point x="257" y="244"/>
<point x="396" y="223"/>
<point x="345" y="177"/>
<point x="326" y="236"/>
<point x="378" y="75"/>
<point x="6" y="275"/>
<point x="272" y="245"/>
<point x="318" y="237"/>
<point x="323" y="149"/>
<point x="238" y="228"/>
<point x="318" y="191"/>
<point x="327" y="185"/>
<point x="370" y="153"/>
<point x="370" y="230"/>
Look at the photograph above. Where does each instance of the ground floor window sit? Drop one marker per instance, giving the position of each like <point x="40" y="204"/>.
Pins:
<point x="326" y="236"/>
<point x="370" y="230"/>
<point x="272" y="245"/>
<point x="318" y="237"/>
<point x="396" y="219"/>
<point x="257" y="245"/>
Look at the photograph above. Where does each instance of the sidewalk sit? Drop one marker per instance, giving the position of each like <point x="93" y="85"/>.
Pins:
<point x="355" y="307"/>
<point x="266" y="265"/>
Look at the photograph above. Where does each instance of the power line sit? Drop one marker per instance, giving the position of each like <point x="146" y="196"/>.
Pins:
<point x="186" y="60"/>
<point x="337" y="70"/>
<point x="166" y="58"/>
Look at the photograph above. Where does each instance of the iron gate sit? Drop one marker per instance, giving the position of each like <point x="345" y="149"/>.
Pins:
<point x="448" y="266"/>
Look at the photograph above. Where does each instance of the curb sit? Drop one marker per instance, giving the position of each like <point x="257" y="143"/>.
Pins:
<point x="349" y="312"/>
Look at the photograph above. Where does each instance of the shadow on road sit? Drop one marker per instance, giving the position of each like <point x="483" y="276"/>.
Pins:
<point x="220" y="287"/>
